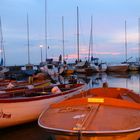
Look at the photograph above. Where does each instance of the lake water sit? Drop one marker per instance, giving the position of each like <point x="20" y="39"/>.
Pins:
<point x="32" y="131"/>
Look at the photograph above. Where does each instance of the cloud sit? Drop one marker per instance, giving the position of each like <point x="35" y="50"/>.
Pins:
<point x="72" y="56"/>
<point x="120" y="38"/>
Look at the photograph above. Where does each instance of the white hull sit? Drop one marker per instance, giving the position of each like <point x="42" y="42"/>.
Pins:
<point x="52" y="72"/>
<point x="133" y="68"/>
<point x="101" y="68"/>
<point x="82" y="70"/>
<point x="18" y="112"/>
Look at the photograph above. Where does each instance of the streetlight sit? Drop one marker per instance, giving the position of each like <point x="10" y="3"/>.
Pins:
<point x="41" y="46"/>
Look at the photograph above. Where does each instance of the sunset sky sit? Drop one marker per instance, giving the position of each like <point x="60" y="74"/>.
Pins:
<point x="108" y="29"/>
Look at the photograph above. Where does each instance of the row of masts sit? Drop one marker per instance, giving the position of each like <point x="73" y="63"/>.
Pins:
<point x="28" y="43"/>
<point x="46" y="47"/>
<point x="90" y="54"/>
<point x="90" y="51"/>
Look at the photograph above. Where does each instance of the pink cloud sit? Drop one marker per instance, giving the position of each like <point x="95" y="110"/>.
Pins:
<point x="72" y="56"/>
<point x="135" y="49"/>
<point x="85" y="52"/>
<point x="108" y="53"/>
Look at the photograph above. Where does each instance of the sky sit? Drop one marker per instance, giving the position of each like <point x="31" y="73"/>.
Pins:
<point x="108" y="29"/>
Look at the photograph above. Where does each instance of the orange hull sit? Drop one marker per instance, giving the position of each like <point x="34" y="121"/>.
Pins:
<point x="130" y="136"/>
<point x="99" y="114"/>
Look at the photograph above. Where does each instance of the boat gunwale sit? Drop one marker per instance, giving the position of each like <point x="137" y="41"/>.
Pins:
<point x="40" y="97"/>
<point x="86" y="133"/>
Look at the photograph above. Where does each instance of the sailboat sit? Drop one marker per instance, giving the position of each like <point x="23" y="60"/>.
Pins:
<point x="81" y="66"/>
<point x="3" y="68"/>
<point x="64" y="68"/>
<point x="29" y="68"/>
<point x="135" y="66"/>
<point x="122" y="67"/>
<point x="94" y="62"/>
<point x="48" y="66"/>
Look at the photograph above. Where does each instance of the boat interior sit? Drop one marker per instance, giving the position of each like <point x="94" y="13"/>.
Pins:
<point x="111" y="92"/>
<point x="37" y="91"/>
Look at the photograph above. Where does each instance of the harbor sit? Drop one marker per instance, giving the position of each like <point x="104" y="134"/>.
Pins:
<point x="69" y="70"/>
<point x="34" y="132"/>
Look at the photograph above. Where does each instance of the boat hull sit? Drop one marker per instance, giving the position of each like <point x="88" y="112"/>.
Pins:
<point x="18" y="111"/>
<point x="99" y="68"/>
<point x="128" y="136"/>
<point x="100" y="114"/>
<point x="68" y="72"/>
<point x="88" y="71"/>
<point x="134" y="68"/>
<point x="117" y="68"/>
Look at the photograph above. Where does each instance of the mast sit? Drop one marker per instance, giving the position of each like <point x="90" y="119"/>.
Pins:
<point x="63" y="38"/>
<point x="28" y="43"/>
<point x="77" y="34"/>
<point x="46" y="28"/>
<point x="91" y="42"/>
<point x="125" y="43"/>
<point x="139" y="38"/>
<point x="2" y="46"/>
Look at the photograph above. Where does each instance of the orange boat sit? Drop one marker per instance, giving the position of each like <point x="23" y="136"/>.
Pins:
<point x="96" y="114"/>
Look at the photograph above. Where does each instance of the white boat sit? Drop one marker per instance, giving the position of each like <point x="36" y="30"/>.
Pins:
<point x="94" y="62"/>
<point x="117" y="67"/>
<point x="16" y="110"/>
<point x="134" y="67"/>
<point x="102" y="67"/>
<point x="84" y="68"/>
<point x="49" y="67"/>
<point x="3" y="70"/>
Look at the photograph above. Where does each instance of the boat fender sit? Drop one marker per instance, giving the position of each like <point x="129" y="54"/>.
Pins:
<point x="10" y="85"/>
<point x="55" y="90"/>
<point x="2" y="92"/>
<point x="30" y="79"/>
<point x="67" y="86"/>
<point x="30" y="86"/>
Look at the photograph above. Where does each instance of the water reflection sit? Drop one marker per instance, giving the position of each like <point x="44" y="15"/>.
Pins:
<point x="124" y="80"/>
<point x="30" y="131"/>
<point x="33" y="132"/>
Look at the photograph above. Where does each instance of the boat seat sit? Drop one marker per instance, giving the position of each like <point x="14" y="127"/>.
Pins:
<point x="44" y="93"/>
<point x="64" y="89"/>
